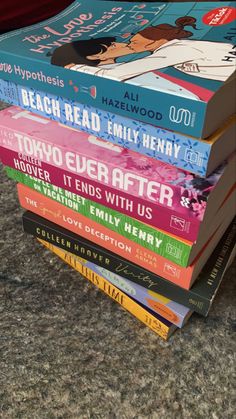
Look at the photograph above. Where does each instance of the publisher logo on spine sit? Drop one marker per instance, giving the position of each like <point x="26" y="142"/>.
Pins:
<point x="179" y="223"/>
<point x="171" y="270"/>
<point x="181" y="116"/>
<point x="173" y="251"/>
<point x="193" y="157"/>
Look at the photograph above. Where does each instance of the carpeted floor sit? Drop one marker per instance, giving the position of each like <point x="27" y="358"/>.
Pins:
<point x="68" y="351"/>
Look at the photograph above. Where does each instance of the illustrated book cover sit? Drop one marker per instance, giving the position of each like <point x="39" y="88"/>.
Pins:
<point x="168" y="64"/>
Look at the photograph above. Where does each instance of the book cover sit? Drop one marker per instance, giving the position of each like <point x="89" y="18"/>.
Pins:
<point x="199" y="298"/>
<point x="194" y="155"/>
<point x="94" y="159"/>
<point x="168" y="309"/>
<point x="162" y="63"/>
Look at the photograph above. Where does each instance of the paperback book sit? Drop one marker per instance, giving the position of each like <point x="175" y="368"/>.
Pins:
<point x="167" y="64"/>
<point x="155" y="185"/>
<point x="159" y="217"/>
<point x="168" y="309"/>
<point x="153" y="215"/>
<point x="199" y="298"/>
<point x="169" y="246"/>
<point x="194" y="155"/>
<point x="114" y="242"/>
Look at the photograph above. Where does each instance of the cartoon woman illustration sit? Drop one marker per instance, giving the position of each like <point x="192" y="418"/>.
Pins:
<point x="167" y="45"/>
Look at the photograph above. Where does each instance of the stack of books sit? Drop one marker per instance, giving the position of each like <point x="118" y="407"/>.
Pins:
<point x="121" y="136"/>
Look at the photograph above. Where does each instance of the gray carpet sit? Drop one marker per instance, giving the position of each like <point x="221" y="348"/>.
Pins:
<point x="68" y="351"/>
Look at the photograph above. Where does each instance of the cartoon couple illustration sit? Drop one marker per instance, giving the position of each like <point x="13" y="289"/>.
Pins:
<point x="166" y="45"/>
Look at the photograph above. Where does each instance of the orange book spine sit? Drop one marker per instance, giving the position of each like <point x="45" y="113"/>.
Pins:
<point x="117" y="295"/>
<point x="112" y="241"/>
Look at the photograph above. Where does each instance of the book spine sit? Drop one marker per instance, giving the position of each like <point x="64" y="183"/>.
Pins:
<point x="167" y="146"/>
<point x="158" y="217"/>
<point x="112" y="241"/>
<point x="168" y="309"/>
<point x="166" y="110"/>
<point x="151" y="187"/>
<point x="150" y="319"/>
<point x="160" y="243"/>
<point x="53" y="233"/>
<point x="105" y="173"/>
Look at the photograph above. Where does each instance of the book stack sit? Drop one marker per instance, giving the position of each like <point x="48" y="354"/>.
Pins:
<point x="121" y="136"/>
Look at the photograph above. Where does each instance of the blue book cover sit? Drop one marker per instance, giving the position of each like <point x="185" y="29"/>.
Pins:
<point x="160" y="63"/>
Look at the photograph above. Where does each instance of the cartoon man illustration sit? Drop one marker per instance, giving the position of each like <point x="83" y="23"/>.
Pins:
<point x="166" y="45"/>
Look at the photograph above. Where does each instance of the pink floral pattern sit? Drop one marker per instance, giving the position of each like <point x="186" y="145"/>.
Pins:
<point x="199" y="209"/>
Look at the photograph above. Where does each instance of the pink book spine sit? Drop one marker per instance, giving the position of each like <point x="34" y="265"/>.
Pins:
<point x="110" y="165"/>
<point x="154" y="215"/>
<point x="110" y="240"/>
